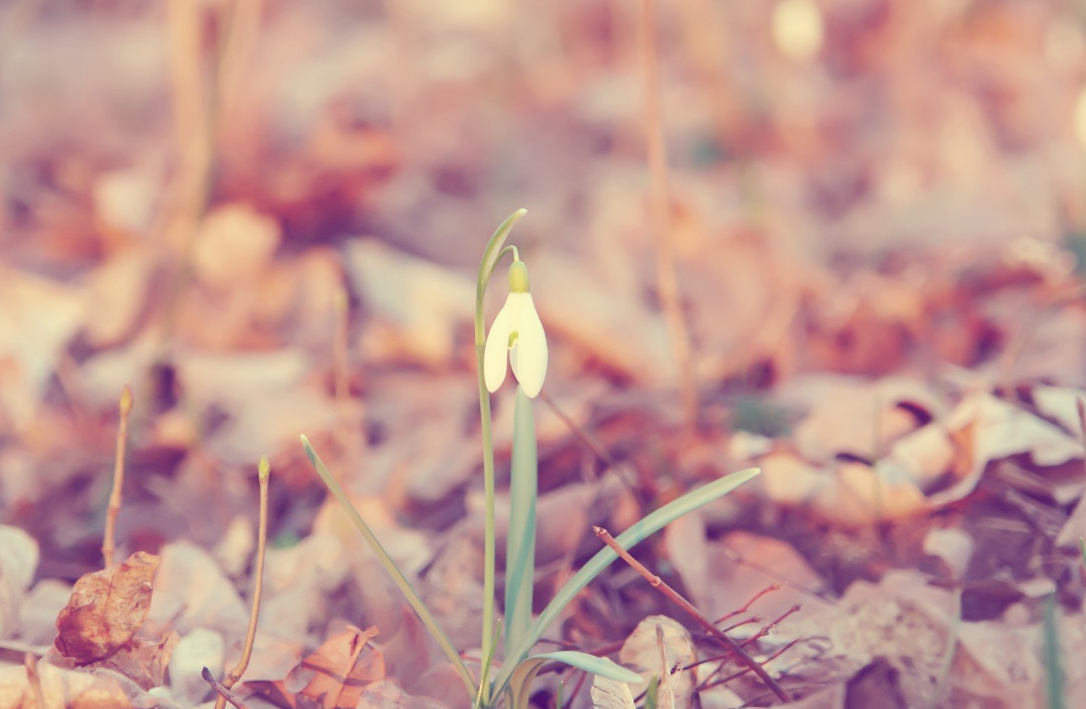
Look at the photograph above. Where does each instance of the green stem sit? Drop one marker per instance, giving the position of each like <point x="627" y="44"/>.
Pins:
<point x="486" y="268"/>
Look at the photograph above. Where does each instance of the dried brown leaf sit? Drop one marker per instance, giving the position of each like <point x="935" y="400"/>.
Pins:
<point x="106" y="609"/>
<point x="334" y="676"/>
<point x="143" y="661"/>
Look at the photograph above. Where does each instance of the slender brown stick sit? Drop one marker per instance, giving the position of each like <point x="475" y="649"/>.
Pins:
<point x="258" y="583"/>
<point x="660" y="201"/>
<point x="114" y="509"/>
<point x="339" y="346"/>
<point x="674" y="596"/>
<point x="768" y="589"/>
<point x="225" y="695"/>
<point x="34" y="678"/>
<point x="742" y="672"/>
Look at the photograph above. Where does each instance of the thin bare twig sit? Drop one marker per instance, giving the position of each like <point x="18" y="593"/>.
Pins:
<point x="225" y="694"/>
<point x="660" y="202"/>
<point x="737" y="675"/>
<point x="34" y="678"/>
<point x="676" y="598"/>
<point x="108" y="542"/>
<point x="768" y="589"/>
<point x="339" y="346"/>
<point x="258" y="582"/>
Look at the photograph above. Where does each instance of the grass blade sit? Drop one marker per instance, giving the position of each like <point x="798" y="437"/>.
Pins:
<point x="393" y="570"/>
<point x="521" y="682"/>
<point x="520" y="549"/>
<point x="651" y="523"/>
<point x="1051" y="658"/>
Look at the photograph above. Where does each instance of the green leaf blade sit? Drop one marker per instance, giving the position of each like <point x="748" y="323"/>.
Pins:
<point x="651" y="523"/>
<point x="398" y="577"/>
<point x="520" y="547"/>
<point x="524" y="673"/>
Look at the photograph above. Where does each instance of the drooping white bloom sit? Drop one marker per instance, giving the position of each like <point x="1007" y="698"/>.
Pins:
<point x="517" y="331"/>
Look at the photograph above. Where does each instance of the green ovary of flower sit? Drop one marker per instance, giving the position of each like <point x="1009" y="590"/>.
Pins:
<point x="517" y="333"/>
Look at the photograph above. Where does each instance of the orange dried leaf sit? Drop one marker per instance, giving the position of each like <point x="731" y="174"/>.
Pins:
<point x="106" y="609"/>
<point x="334" y="676"/>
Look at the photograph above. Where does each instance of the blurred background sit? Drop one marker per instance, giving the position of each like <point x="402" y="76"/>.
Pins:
<point x="785" y="232"/>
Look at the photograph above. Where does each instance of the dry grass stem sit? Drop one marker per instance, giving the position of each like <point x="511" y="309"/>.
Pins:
<point x="660" y="208"/>
<point x="109" y="545"/>
<point x="676" y="598"/>
<point x="258" y="582"/>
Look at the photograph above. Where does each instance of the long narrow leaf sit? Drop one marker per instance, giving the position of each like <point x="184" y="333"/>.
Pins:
<point x="390" y="566"/>
<point x="649" y="524"/>
<point x="520" y="547"/>
<point x="520" y="684"/>
<point x="1050" y="657"/>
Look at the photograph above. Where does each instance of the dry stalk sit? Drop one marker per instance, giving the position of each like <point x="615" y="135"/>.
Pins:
<point x="660" y="208"/>
<point x="108" y="539"/>
<point x="258" y="583"/>
<point x="224" y="694"/>
<point x="339" y="347"/>
<point x="676" y="598"/>
<point x="34" y="678"/>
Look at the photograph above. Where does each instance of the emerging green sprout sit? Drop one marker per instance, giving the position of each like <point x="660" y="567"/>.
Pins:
<point x="518" y="332"/>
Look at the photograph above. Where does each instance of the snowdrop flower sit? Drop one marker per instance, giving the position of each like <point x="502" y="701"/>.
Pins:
<point x="518" y="331"/>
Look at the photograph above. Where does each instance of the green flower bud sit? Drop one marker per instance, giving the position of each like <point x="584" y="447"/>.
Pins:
<point x="518" y="277"/>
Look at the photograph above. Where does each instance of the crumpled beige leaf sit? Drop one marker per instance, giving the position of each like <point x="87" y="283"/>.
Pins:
<point x="141" y="660"/>
<point x="575" y="304"/>
<point x="39" y="610"/>
<point x="612" y="694"/>
<point x="264" y="395"/>
<point x="994" y="429"/>
<point x="334" y="676"/>
<point x="688" y="551"/>
<point x="861" y="494"/>
<point x="901" y="619"/>
<point x="71" y="689"/>
<point x="193" y="592"/>
<point x="852" y="415"/>
<point x="734" y="584"/>
<point x="106" y="609"/>
<point x="39" y="317"/>
<point x="387" y="694"/>
<point x="418" y="304"/>
<point x="199" y="649"/>
<point x="18" y="561"/>
<point x="657" y="645"/>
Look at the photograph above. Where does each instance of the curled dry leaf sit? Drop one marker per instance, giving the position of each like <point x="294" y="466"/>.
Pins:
<point x="106" y="609"/>
<point x="142" y="661"/>
<point x="387" y="694"/>
<point x="18" y="560"/>
<point x="70" y="689"/>
<point x="334" y="676"/>
<point x="657" y="645"/>
<point x="193" y="593"/>
<point x="991" y="429"/>
<point x="199" y="650"/>
<point x="611" y="694"/>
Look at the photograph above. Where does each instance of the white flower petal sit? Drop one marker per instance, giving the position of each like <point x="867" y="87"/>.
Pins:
<point x="497" y="345"/>
<point x="531" y="347"/>
<point x="513" y="360"/>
